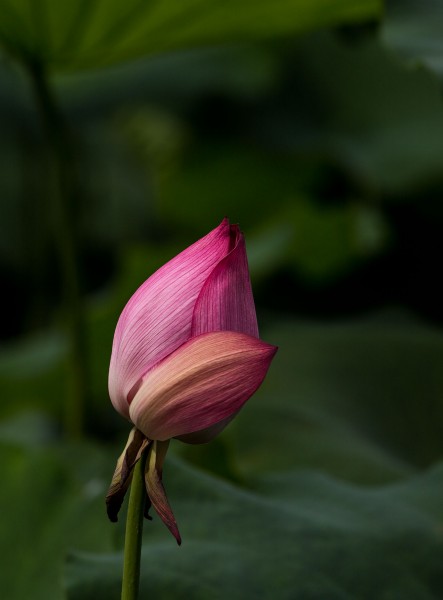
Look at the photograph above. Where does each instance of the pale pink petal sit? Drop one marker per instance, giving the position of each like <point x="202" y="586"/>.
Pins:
<point x="158" y="317"/>
<point x="203" y="382"/>
<point x="156" y="491"/>
<point x="225" y="302"/>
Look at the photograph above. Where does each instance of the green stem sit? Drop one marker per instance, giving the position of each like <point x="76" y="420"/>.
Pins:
<point x="134" y="529"/>
<point x="63" y="180"/>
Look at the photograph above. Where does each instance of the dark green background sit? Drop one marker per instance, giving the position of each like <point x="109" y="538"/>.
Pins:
<point x="318" y="126"/>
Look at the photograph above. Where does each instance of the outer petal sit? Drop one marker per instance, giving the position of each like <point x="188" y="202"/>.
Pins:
<point x="135" y="446"/>
<point x="156" y="491"/>
<point x="203" y="382"/>
<point x="225" y="302"/>
<point x="157" y="319"/>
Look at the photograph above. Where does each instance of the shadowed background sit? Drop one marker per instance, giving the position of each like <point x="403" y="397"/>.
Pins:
<point x="127" y="133"/>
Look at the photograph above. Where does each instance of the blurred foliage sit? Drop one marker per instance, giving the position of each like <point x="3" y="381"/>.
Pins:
<point x="414" y="28"/>
<point x="89" y="34"/>
<point x="295" y="536"/>
<point x="320" y="488"/>
<point x="318" y="126"/>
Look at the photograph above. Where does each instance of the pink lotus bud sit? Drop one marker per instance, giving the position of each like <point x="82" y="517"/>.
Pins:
<point x="186" y="354"/>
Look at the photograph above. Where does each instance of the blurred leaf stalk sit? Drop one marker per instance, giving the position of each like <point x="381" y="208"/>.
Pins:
<point x="63" y="190"/>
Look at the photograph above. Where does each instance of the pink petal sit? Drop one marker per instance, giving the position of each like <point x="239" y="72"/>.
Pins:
<point x="156" y="491"/>
<point x="158" y="317"/>
<point x="203" y="382"/>
<point x="225" y="302"/>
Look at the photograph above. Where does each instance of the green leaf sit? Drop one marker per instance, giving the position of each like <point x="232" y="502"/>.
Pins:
<point x="172" y="79"/>
<point x="79" y="34"/>
<point x="297" y="535"/>
<point x="360" y="399"/>
<point x="414" y="28"/>
<point x="320" y="492"/>
<point x="52" y="499"/>
<point x="381" y="120"/>
<point x="317" y="242"/>
<point x="331" y="240"/>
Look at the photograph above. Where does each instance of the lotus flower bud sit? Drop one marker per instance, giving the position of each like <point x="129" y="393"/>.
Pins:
<point x="186" y="357"/>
